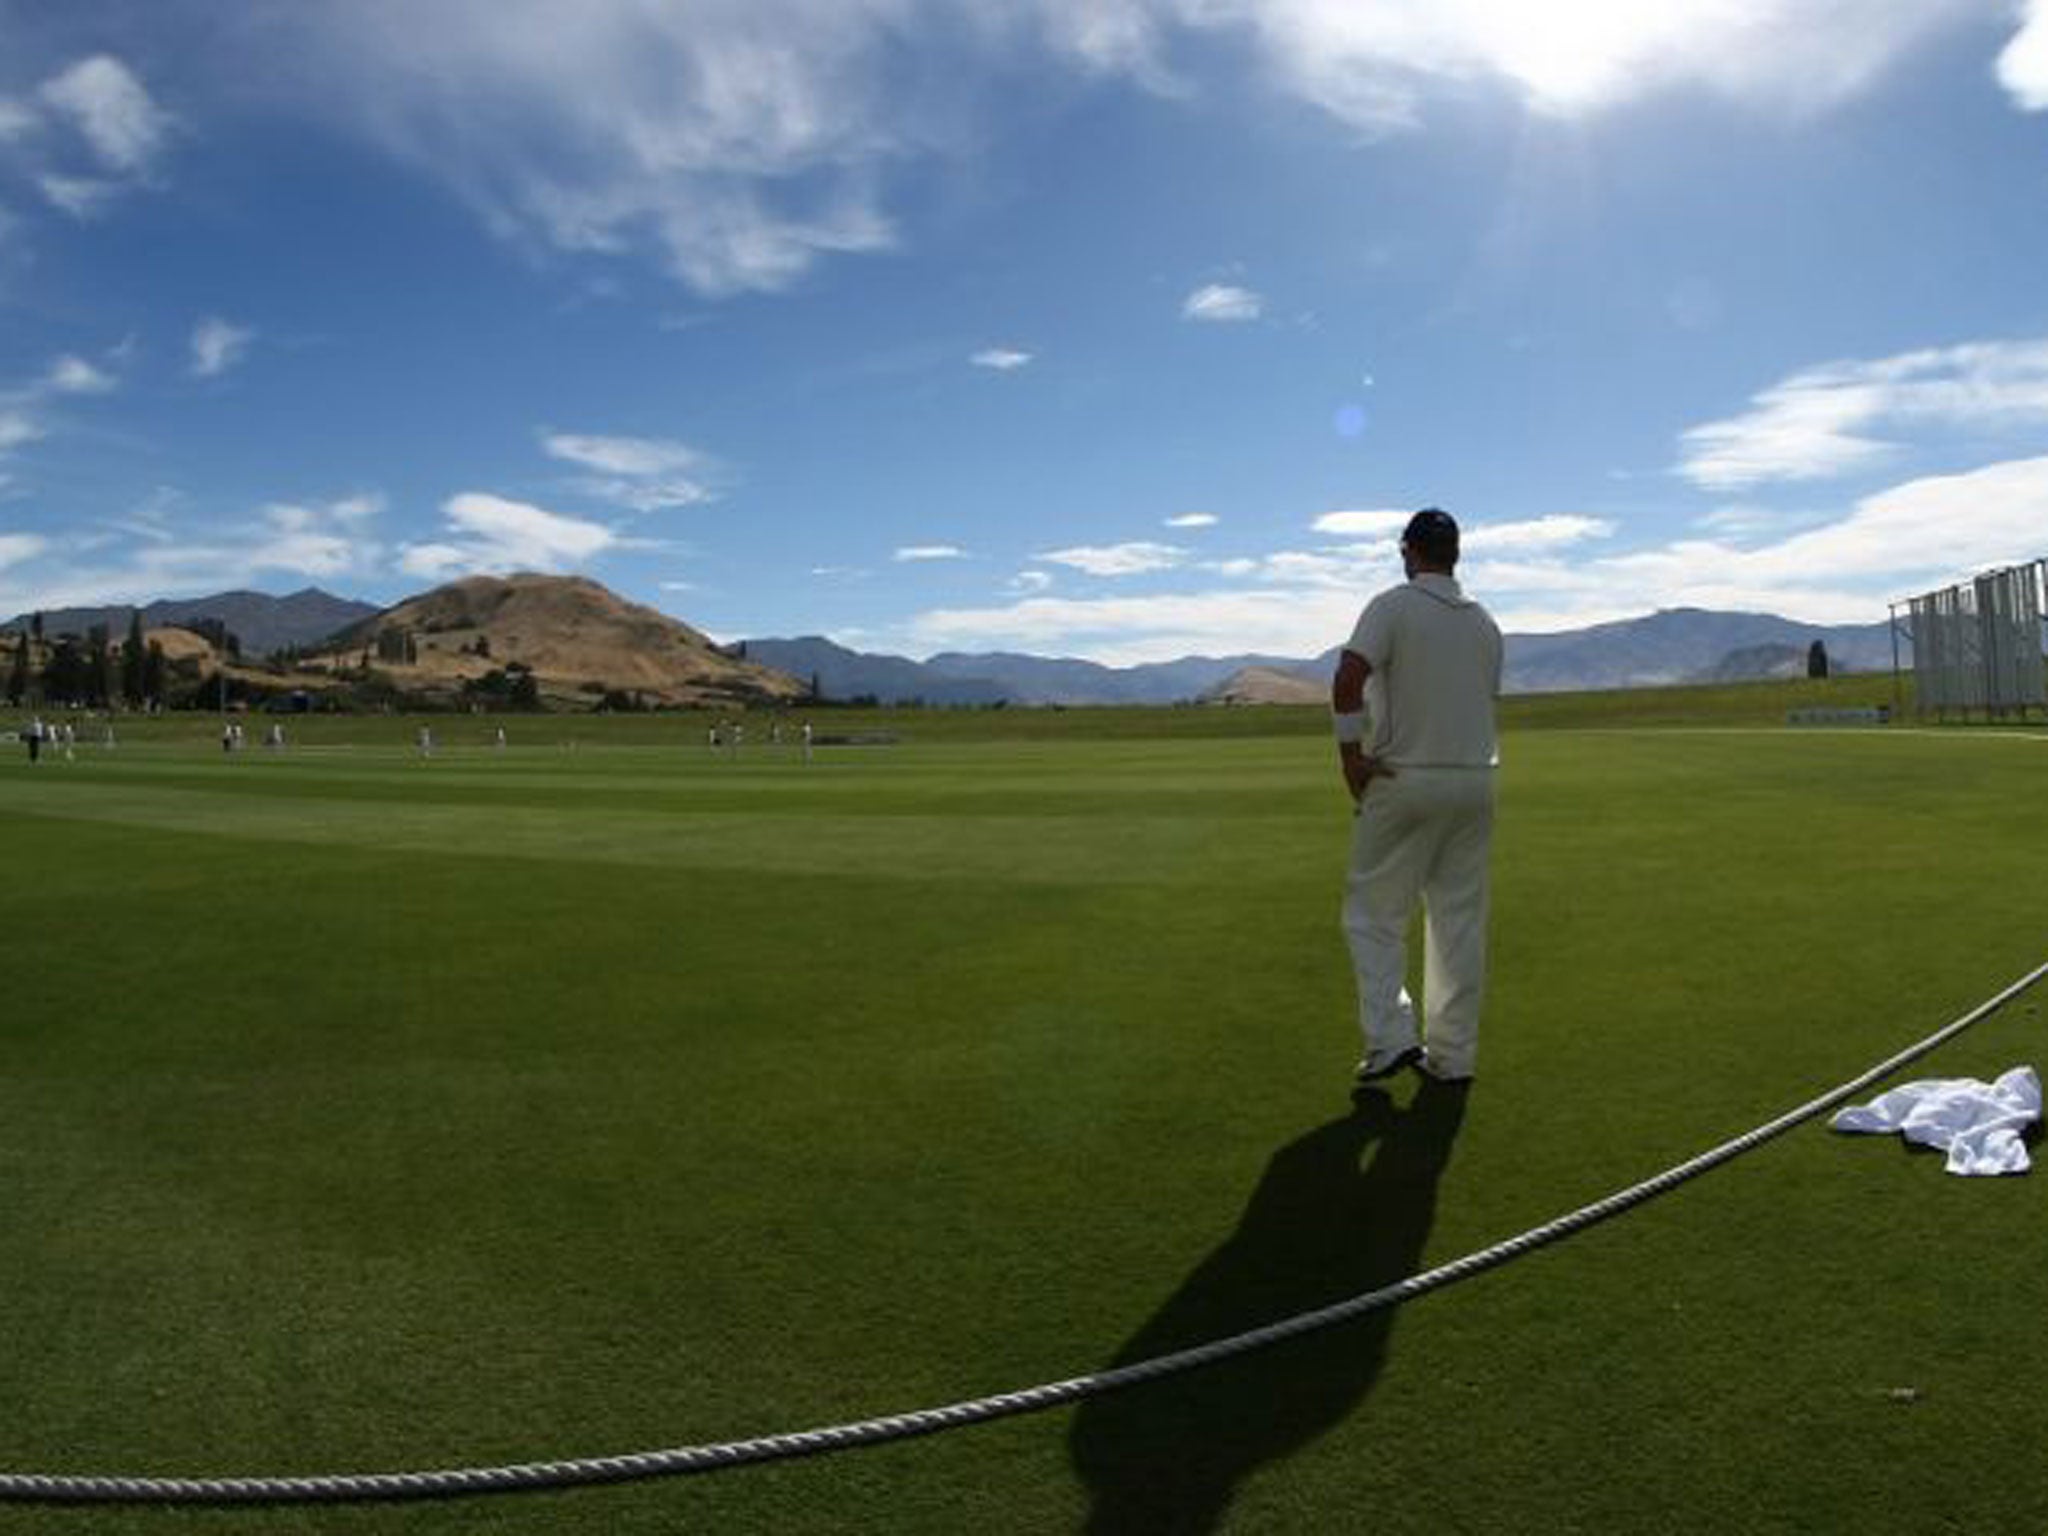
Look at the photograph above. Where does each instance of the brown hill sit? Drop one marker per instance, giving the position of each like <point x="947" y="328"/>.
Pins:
<point x="580" y="640"/>
<point x="181" y="645"/>
<point x="1266" y="685"/>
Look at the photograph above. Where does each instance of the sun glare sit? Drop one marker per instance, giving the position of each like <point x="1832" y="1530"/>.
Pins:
<point x="1572" y="54"/>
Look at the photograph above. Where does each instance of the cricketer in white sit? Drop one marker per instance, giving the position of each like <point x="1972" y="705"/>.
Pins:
<point x="1426" y="659"/>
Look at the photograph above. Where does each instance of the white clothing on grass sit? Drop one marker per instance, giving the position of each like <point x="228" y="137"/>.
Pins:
<point x="1980" y="1124"/>
<point x="1425" y="833"/>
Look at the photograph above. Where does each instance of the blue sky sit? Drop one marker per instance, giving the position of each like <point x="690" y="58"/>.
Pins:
<point x="1124" y="329"/>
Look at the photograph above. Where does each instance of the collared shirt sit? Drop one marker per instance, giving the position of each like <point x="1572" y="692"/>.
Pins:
<point x="1436" y="661"/>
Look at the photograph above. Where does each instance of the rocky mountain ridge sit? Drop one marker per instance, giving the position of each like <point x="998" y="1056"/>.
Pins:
<point x="261" y="623"/>
<point x="1679" y="645"/>
<point x="571" y="642"/>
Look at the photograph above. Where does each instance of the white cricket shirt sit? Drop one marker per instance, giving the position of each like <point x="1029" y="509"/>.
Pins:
<point x="1436" y="657"/>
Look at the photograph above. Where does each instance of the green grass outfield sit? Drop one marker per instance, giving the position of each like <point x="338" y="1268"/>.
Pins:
<point x="365" y="1113"/>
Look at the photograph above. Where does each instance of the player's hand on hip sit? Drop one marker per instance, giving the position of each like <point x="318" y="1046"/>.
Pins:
<point x="1360" y="769"/>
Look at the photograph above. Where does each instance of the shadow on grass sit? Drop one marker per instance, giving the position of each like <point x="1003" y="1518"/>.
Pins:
<point x="1168" y="1456"/>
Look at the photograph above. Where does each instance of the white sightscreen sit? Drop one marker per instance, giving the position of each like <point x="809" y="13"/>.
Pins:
<point x="1977" y="645"/>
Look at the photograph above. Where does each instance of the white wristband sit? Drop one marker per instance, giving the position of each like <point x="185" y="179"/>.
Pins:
<point x="1349" y="727"/>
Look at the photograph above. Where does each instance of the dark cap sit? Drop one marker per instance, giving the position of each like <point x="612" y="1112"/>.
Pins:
<point x="1432" y="532"/>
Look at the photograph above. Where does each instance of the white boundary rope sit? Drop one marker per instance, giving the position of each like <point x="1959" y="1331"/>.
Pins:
<point x="21" y="1486"/>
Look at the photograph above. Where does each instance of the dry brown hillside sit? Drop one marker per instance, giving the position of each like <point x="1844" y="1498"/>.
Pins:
<point x="181" y="645"/>
<point x="578" y="638"/>
<point x="1265" y="685"/>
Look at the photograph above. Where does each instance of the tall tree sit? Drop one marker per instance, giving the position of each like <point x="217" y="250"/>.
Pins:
<point x="153" y="667"/>
<point x="1817" y="659"/>
<point x="99" y="665"/>
<point x="18" y="673"/>
<point x="216" y="633"/>
<point x="66" y="676"/>
<point x="132" y="660"/>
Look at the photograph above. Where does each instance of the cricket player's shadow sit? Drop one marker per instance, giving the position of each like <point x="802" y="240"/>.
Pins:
<point x="1326" y="1222"/>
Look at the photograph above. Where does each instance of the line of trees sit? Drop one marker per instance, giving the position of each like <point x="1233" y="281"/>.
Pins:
<point x="91" y="670"/>
<point x="512" y="686"/>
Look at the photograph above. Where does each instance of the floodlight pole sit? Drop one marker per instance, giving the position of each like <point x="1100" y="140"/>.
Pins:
<point x="1898" y="692"/>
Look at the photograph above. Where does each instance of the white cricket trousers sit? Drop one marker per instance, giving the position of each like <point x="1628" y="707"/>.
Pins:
<point x="1422" y="835"/>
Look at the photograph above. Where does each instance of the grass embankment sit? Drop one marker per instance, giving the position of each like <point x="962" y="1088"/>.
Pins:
<point x="365" y="1112"/>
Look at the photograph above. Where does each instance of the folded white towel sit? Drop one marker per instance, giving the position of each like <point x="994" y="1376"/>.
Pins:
<point x="1979" y="1123"/>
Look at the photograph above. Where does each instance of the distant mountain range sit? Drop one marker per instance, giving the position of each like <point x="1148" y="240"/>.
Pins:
<point x="261" y="622"/>
<point x="996" y="676"/>
<point x="1687" y="645"/>
<point x="1676" y="645"/>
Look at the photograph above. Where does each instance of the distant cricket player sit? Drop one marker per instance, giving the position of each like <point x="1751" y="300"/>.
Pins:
<point x="1427" y="659"/>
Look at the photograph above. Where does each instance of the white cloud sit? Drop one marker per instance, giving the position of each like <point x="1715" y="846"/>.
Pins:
<point x="1238" y="565"/>
<point x="1537" y="574"/>
<point x="358" y="508"/>
<point x="622" y="455"/>
<point x="1372" y="63"/>
<point x="1911" y="538"/>
<point x="1125" y="631"/>
<point x="109" y="106"/>
<point x="491" y="534"/>
<point x="1537" y="533"/>
<point x="309" y="553"/>
<point x="218" y="345"/>
<point x="75" y="376"/>
<point x="1364" y="525"/>
<point x="649" y="495"/>
<point x="1193" y="520"/>
<point x="16" y="548"/>
<point x="1822" y="422"/>
<point x="1025" y="583"/>
<point x="83" y="197"/>
<point x="1923" y="530"/>
<point x="1361" y="568"/>
<point x="740" y="142"/>
<point x="1113" y="37"/>
<point x="157" y="557"/>
<point x="645" y="474"/>
<point x="16" y="429"/>
<point x="1291" y="604"/>
<point x="916" y="552"/>
<point x="1751" y="522"/>
<point x="736" y="143"/>
<point x="347" y="512"/>
<point x="2023" y="66"/>
<point x="1132" y="559"/>
<point x="317" y="539"/>
<point x="1001" y="359"/>
<point x="1219" y="303"/>
<point x="117" y="135"/>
